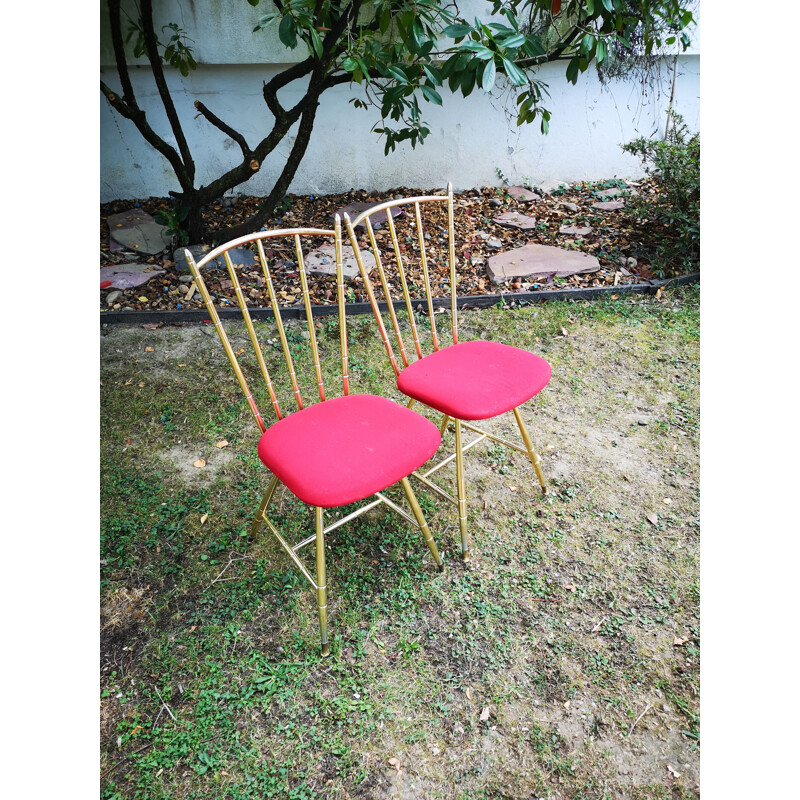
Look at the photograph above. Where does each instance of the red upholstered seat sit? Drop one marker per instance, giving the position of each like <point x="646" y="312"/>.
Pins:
<point x="475" y="380"/>
<point x="334" y="453"/>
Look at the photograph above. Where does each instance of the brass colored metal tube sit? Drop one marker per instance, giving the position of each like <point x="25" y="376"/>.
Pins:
<point x="223" y="337"/>
<point x="370" y="294"/>
<point x="426" y="531"/>
<point x="403" y="283"/>
<point x="462" y="494"/>
<point x="262" y="509"/>
<point x="452" y="245"/>
<point x="337" y="225"/>
<point x="423" y="258"/>
<point x="312" y="335"/>
<point x="387" y="295"/>
<point x="252" y="333"/>
<point x="276" y="312"/>
<point x="532" y="454"/>
<point x="322" y="583"/>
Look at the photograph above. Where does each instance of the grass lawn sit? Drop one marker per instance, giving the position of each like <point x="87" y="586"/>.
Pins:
<point x="561" y="662"/>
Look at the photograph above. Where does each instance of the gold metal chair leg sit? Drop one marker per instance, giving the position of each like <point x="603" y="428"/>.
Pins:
<point x="461" y="485"/>
<point x="426" y="531"/>
<point x="443" y="426"/>
<point x="262" y="509"/>
<point x="322" y="583"/>
<point x="532" y="454"/>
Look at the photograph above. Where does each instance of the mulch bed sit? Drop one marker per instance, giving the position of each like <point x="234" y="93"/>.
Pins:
<point x="616" y="238"/>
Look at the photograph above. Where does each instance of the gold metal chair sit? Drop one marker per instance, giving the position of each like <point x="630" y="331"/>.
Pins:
<point x="337" y="451"/>
<point x="465" y="381"/>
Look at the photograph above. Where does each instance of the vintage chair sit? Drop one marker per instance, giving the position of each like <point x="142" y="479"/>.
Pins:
<point x="465" y="381"/>
<point x="335" y="452"/>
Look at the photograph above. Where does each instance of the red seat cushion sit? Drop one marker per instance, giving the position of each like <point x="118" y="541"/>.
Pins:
<point x="343" y="450"/>
<point x="475" y="380"/>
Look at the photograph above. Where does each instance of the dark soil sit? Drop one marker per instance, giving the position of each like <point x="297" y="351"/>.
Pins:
<point x="616" y="237"/>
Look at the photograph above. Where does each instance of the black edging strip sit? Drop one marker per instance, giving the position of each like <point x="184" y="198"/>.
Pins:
<point x="352" y="309"/>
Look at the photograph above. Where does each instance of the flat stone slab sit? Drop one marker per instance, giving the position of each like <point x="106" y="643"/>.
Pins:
<point x="609" y="193"/>
<point x="322" y="261"/>
<point x="126" y="276"/>
<point x="574" y="230"/>
<point x="539" y="260"/>
<point x="609" y="205"/>
<point x="513" y="219"/>
<point x="548" y="187"/>
<point x="240" y="256"/>
<point x="521" y="193"/>
<point x="354" y="209"/>
<point x="136" y="230"/>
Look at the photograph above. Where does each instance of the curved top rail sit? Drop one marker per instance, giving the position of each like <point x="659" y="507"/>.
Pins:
<point x="403" y="201"/>
<point x="254" y="237"/>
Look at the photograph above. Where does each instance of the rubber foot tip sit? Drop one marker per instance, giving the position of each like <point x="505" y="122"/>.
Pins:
<point x="326" y="650"/>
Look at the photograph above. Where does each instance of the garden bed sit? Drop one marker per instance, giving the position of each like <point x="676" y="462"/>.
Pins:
<point x="624" y="247"/>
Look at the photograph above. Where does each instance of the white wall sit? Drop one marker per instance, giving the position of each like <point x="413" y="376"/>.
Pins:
<point x="470" y="138"/>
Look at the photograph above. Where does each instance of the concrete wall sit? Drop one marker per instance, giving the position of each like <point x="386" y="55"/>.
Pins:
<point x="470" y="138"/>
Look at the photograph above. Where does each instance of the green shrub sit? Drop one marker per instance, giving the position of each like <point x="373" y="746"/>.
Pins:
<point x="674" y="164"/>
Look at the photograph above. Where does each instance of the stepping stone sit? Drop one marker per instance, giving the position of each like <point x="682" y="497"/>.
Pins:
<point x="573" y="230"/>
<point x="322" y="261"/>
<point x="539" y="260"/>
<point x="513" y="219"/>
<point x="609" y="205"/>
<point x="548" y="187"/>
<point x="608" y="193"/>
<point x="126" y="276"/>
<point x="240" y="256"/>
<point x="521" y="193"/>
<point x="136" y="230"/>
<point x="354" y="209"/>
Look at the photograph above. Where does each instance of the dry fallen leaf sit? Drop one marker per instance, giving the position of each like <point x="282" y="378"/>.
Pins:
<point x="485" y="714"/>
<point x="222" y="443"/>
<point x="203" y="519"/>
<point x="653" y="518"/>
<point x="395" y="762"/>
<point x="143" y="299"/>
<point x="667" y="501"/>
<point x="200" y="463"/>
<point x="570" y="588"/>
<point x="675" y="773"/>
<point x="678" y="641"/>
<point x="149" y="349"/>
<point x="468" y="692"/>
<point x="659" y="292"/>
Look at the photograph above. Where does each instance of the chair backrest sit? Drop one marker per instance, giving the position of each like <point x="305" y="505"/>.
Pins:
<point x="413" y="252"/>
<point x="295" y="237"/>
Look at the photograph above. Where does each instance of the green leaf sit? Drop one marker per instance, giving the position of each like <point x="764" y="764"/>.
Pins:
<point x="590" y="7"/>
<point x="467" y="83"/>
<point x="572" y="70"/>
<point x="433" y="75"/>
<point x="488" y="75"/>
<point x="287" y="32"/>
<point x="514" y="73"/>
<point x="431" y="94"/>
<point x="516" y="40"/>
<point x="397" y="72"/>
<point x="349" y="64"/>
<point x="457" y="31"/>
<point x="316" y="42"/>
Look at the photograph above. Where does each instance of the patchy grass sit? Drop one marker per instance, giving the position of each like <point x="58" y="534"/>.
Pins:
<point x="576" y="625"/>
